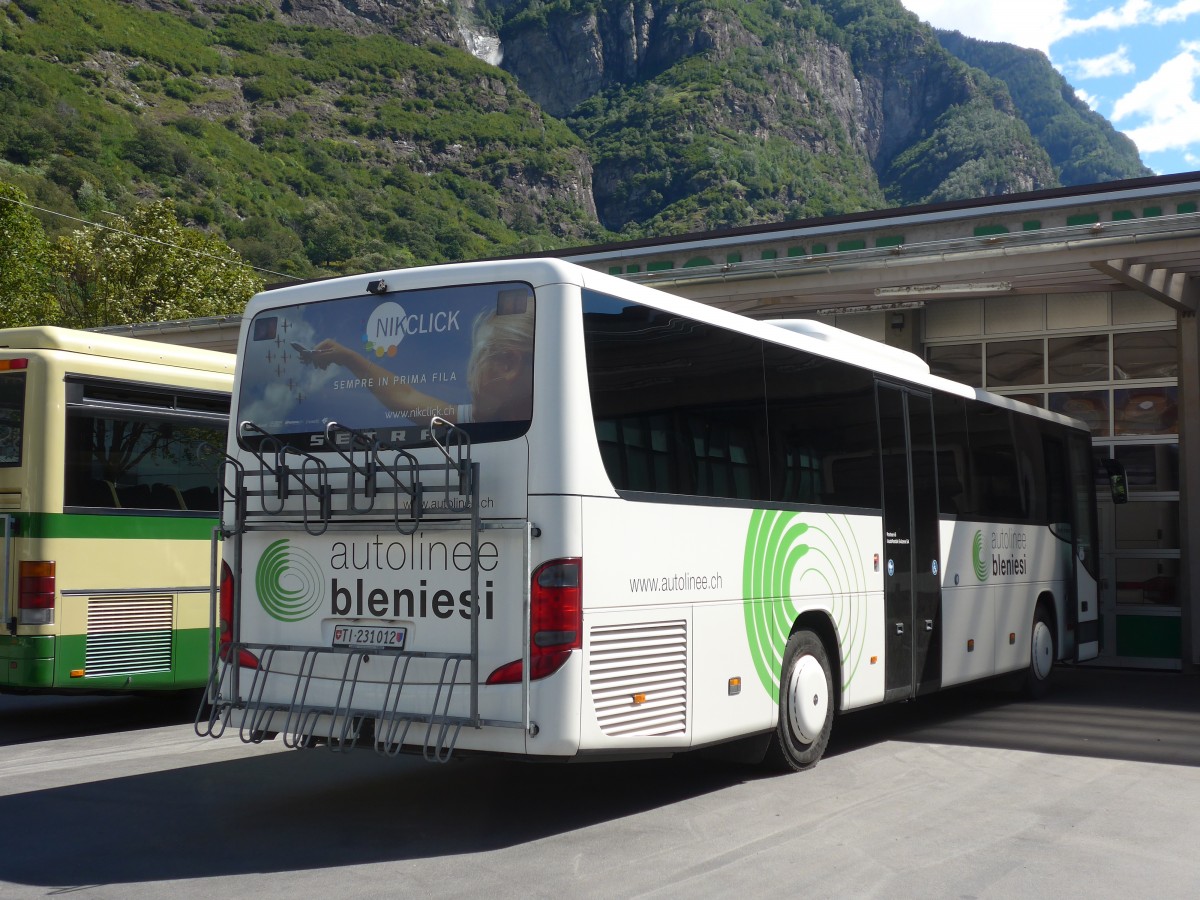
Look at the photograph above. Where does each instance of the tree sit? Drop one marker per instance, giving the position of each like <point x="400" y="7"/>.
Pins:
<point x="26" y="297"/>
<point x="149" y="268"/>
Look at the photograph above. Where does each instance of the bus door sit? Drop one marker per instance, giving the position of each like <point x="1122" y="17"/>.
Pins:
<point x="1084" y="612"/>
<point x="912" y="583"/>
<point x="1071" y="512"/>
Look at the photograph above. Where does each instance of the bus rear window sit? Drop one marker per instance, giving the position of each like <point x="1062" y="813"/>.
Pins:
<point x="12" y="417"/>
<point x="388" y="364"/>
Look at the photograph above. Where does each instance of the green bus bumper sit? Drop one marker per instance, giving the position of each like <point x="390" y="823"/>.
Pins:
<point x="26" y="662"/>
<point x="48" y="663"/>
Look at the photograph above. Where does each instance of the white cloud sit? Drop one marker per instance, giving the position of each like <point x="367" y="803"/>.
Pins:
<point x="1177" y="12"/>
<point x="1131" y="12"/>
<point x="1092" y="100"/>
<point x="1115" y="63"/>
<point x="1166" y="105"/>
<point x="1026" y="23"/>
<point x="1038" y="24"/>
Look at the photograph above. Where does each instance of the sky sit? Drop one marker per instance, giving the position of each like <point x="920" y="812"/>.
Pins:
<point x="1136" y="62"/>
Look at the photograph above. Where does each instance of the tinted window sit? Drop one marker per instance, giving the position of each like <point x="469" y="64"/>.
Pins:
<point x="126" y="463"/>
<point x="134" y="447"/>
<point x="12" y="417"/>
<point x="678" y="404"/>
<point x="1058" y="483"/>
<point x="1027" y="442"/>
<point x="995" y="478"/>
<point x="953" y="454"/>
<point x="824" y="439"/>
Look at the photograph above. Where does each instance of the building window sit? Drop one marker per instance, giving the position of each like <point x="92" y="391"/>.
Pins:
<point x="1089" y="407"/>
<point x="1012" y="363"/>
<point x="1079" y="358"/>
<point x="1145" y="354"/>
<point x="1148" y="410"/>
<point x="958" y="362"/>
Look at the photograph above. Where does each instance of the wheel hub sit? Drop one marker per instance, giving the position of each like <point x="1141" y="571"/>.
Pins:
<point x="1043" y="650"/>
<point x="808" y="696"/>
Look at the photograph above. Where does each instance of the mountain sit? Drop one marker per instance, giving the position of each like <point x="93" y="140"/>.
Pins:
<point x="1083" y="145"/>
<point x="346" y="135"/>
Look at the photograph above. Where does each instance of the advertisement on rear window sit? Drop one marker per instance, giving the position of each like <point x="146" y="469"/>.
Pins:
<point x="388" y="364"/>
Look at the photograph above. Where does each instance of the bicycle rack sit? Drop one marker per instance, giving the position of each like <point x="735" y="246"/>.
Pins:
<point x="257" y="498"/>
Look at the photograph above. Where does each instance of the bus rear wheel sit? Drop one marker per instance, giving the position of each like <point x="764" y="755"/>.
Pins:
<point x="806" y="702"/>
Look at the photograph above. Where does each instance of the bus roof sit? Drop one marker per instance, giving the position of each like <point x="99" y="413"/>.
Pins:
<point x="68" y="340"/>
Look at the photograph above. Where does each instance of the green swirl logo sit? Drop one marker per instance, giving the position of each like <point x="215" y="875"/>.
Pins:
<point x="289" y="583"/>
<point x="790" y="560"/>
<point x="981" y="564"/>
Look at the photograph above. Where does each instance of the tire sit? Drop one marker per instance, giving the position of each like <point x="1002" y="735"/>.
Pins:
<point x="1041" y="655"/>
<point x="806" y="704"/>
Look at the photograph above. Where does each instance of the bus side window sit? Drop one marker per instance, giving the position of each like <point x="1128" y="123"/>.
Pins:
<point x="1027" y="439"/>
<point x="995" y="476"/>
<point x="131" y="464"/>
<point x="824" y="440"/>
<point x="950" y="429"/>
<point x="200" y="498"/>
<point x="678" y="404"/>
<point x="1057" y="482"/>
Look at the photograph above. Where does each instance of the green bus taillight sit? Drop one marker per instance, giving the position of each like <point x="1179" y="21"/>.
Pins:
<point x="36" y="592"/>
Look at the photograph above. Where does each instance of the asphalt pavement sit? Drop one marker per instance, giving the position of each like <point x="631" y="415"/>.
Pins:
<point x="1093" y="791"/>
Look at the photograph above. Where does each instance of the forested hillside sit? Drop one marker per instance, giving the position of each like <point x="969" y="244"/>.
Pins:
<point x="1083" y="145"/>
<point x="317" y="136"/>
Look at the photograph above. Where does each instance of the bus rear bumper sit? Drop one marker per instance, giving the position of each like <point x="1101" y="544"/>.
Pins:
<point x="26" y="662"/>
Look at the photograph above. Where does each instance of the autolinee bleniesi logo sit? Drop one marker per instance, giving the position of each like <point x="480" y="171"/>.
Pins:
<point x="289" y="583"/>
<point x="981" y="564"/>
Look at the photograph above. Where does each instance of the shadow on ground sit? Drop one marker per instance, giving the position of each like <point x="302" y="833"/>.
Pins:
<point x="1107" y="713"/>
<point x="303" y="810"/>
<point x="26" y="718"/>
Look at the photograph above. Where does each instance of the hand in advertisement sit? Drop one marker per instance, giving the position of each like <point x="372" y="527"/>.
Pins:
<point x="320" y="356"/>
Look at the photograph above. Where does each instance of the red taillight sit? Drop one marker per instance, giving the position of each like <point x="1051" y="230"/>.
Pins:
<point x="9" y="364"/>
<point x="555" y="621"/>
<point x="36" y="592"/>
<point x="246" y="659"/>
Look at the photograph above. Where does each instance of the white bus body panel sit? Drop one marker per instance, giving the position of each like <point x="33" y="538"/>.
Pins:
<point x="694" y="570"/>
<point x="992" y="577"/>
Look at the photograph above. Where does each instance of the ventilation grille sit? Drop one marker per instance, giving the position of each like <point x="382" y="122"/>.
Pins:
<point x="628" y="662"/>
<point x="128" y="636"/>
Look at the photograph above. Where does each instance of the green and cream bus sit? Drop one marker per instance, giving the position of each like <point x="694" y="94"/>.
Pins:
<point x="524" y="508"/>
<point x="110" y="450"/>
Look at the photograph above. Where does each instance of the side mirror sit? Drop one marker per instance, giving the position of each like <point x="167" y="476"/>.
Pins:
<point x="1117" y="484"/>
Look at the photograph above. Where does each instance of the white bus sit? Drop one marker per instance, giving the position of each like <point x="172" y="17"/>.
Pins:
<point x="524" y="508"/>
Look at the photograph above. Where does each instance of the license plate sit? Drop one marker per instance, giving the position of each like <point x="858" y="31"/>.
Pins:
<point x="369" y="636"/>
